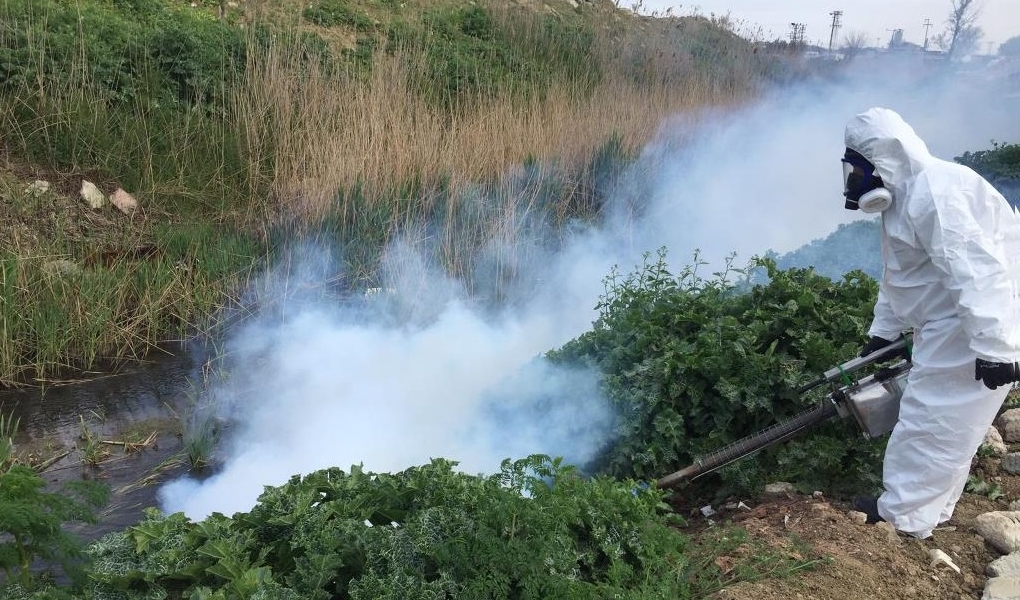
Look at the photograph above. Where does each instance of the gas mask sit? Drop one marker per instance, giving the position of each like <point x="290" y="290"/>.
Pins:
<point x="862" y="188"/>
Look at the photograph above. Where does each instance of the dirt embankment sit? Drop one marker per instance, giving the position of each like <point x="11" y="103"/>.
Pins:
<point x="869" y="562"/>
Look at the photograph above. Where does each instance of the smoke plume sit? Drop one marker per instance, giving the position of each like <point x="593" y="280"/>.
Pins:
<point x="416" y="369"/>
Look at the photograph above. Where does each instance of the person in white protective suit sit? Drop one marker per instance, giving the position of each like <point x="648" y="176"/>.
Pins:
<point x="951" y="254"/>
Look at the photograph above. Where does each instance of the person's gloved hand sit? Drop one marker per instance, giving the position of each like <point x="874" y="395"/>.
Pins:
<point x="876" y="343"/>
<point x="994" y="374"/>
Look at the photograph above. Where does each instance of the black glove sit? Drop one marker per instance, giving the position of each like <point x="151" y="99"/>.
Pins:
<point x="994" y="374"/>
<point x="876" y="343"/>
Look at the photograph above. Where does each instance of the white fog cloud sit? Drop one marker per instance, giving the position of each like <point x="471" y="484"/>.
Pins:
<point x="317" y="384"/>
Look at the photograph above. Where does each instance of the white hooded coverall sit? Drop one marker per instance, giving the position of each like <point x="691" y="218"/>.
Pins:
<point x="951" y="253"/>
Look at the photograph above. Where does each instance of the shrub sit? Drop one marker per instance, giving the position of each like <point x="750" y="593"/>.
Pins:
<point x="1002" y="161"/>
<point x="694" y="364"/>
<point x="142" y="52"/>
<point x="331" y="13"/>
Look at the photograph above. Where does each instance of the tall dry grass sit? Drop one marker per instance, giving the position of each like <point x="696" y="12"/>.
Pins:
<point x="333" y="131"/>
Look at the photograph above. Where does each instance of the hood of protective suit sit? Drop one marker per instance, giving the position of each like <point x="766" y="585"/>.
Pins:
<point x="950" y="243"/>
<point x="885" y="139"/>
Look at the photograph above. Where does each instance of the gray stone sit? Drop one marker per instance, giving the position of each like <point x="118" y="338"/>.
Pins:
<point x="1009" y="425"/>
<point x="1001" y="529"/>
<point x="1002" y="588"/>
<point x="1004" y="565"/>
<point x="1011" y="463"/>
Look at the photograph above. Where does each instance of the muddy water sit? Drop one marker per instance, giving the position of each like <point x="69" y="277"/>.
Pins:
<point x="116" y="412"/>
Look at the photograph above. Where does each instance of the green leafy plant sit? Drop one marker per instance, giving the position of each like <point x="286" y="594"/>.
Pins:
<point x="537" y="529"/>
<point x="31" y="520"/>
<point x="693" y="364"/>
<point x="982" y="487"/>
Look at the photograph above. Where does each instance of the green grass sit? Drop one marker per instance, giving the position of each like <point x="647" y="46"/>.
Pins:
<point x="51" y="322"/>
<point x="8" y="429"/>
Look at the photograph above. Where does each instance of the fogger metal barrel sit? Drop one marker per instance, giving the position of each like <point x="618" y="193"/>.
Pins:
<point x="749" y="445"/>
<point x="873" y="402"/>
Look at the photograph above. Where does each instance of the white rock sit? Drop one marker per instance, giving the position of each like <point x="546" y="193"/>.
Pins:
<point x="1001" y="529"/>
<point x="91" y="194"/>
<point x="993" y="442"/>
<point x="1002" y="588"/>
<point x="124" y="201"/>
<point x="780" y="487"/>
<point x="1004" y="565"/>
<point x="37" y="188"/>
<point x="61" y="268"/>
<point x="940" y="558"/>
<point x="857" y="517"/>
<point x="1009" y="425"/>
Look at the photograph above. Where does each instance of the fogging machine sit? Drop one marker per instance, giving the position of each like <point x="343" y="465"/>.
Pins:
<point x="873" y="402"/>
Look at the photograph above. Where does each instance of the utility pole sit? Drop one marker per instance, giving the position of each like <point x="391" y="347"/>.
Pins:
<point x="836" y="17"/>
<point x="896" y="39"/>
<point x="927" y="25"/>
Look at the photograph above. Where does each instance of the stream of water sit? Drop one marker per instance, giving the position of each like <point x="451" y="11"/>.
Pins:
<point x="132" y="404"/>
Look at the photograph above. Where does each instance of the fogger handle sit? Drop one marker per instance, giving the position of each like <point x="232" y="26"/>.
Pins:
<point x="749" y="445"/>
<point x="855" y="364"/>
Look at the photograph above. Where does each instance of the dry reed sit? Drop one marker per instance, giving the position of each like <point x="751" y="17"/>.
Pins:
<point x="331" y="132"/>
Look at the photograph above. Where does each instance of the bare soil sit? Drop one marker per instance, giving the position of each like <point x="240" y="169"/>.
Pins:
<point x="854" y="561"/>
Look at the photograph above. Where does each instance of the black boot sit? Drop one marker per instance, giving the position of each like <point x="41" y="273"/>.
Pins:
<point x="869" y="506"/>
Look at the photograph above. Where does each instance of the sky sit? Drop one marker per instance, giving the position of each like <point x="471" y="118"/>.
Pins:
<point x="999" y="19"/>
<point x="417" y="370"/>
